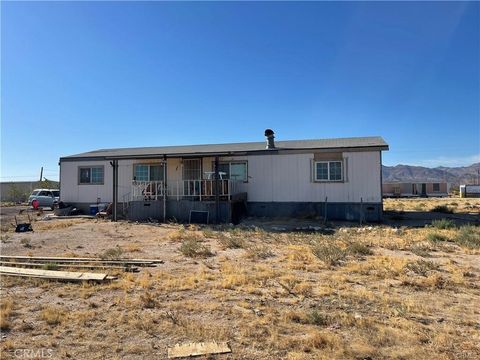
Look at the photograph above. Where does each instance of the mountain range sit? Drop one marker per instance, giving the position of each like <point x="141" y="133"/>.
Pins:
<point x="453" y="175"/>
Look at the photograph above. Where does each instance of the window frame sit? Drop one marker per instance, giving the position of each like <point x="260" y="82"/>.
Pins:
<point x="328" y="162"/>
<point x="433" y="187"/>
<point x="230" y="162"/>
<point x="149" y="165"/>
<point x="80" y="168"/>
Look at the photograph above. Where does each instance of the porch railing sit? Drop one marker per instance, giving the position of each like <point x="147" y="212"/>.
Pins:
<point x="191" y="189"/>
<point x="147" y="190"/>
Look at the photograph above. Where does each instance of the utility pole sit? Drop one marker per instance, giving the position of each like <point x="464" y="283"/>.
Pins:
<point x="41" y="174"/>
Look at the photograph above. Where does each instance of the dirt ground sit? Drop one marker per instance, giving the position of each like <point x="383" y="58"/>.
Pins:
<point x="308" y="292"/>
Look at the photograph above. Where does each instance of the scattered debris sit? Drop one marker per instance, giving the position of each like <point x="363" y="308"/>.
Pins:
<point x="23" y="227"/>
<point x="198" y="349"/>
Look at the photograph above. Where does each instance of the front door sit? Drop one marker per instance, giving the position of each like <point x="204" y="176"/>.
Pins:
<point x="192" y="174"/>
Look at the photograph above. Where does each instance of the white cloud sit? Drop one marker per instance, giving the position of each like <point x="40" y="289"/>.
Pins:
<point x="448" y="161"/>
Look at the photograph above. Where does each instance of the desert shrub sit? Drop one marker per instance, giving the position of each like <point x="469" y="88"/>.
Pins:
<point x="26" y="242"/>
<point x="147" y="300"/>
<point x="231" y="242"/>
<point x="443" y="224"/>
<point x="359" y="249"/>
<point x="421" y="249"/>
<point x="421" y="267"/>
<point x="315" y="317"/>
<point x="195" y="249"/>
<point x="330" y="254"/>
<point x="442" y="209"/>
<point x="259" y="252"/>
<point x="468" y="236"/>
<point x="6" y="310"/>
<point x="112" y="254"/>
<point x="52" y="315"/>
<point x="436" y="237"/>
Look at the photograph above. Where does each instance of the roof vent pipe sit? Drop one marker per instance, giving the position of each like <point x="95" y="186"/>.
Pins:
<point x="270" y="138"/>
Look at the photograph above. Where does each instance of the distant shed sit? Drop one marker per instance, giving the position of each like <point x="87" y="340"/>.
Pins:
<point x="469" y="191"/>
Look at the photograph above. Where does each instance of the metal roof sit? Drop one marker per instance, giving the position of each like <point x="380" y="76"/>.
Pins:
<point x="236" y="148"/>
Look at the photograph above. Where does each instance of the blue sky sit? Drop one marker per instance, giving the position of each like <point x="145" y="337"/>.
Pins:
<point x="78" y="76"/>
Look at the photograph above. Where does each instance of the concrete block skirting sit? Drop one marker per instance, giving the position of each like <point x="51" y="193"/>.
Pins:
<point x="335" y="211"/>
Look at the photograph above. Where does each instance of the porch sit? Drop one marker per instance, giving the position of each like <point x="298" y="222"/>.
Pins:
<point x="193" y="190"/>
<point x="178" y="200"/>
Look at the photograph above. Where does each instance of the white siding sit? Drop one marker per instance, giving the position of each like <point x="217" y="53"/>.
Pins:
<point x="71" y="191"/>
<point x="288" y="178"/>
<point x="271" y="178"/>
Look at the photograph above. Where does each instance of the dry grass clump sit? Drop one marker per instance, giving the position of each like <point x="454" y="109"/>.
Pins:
<point x="112" y="254"/>
<point x="329" y="253"/>
<point x="147" y="300"/>
<point x="359" y="249"/>
<point x="6" y="311"/>
<point x="259" y="252"/>
<point x="231" y="242"/>
<point x="52" y="315"/>
<point x="443" y="224"/>
<point x="422" y="267"/>
<point x="468" y="236"/>
<point x="436" y="237"/>
<point x="56" y="224"/>
<point x="195" y="249"/>
<point x="184" y="234"/>
<point x="132" y="247"/>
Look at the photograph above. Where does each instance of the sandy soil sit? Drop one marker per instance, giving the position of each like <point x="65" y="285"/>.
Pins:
<point x="375" y="291"/>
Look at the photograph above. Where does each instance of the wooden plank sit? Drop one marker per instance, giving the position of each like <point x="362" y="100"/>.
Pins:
<point x="198" y="349"/>
<point x="64" y="266"/>
<point x="58" y="258"/>
<point x="51" y="274"/>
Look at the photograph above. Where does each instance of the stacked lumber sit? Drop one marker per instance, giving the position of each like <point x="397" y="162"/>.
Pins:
<point x="41" y="267"/>
<point x="54" y="274"/>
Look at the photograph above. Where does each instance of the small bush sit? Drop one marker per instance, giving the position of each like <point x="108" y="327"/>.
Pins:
<point x="317" y="318"/>
<point x="421" y="267"/>
<point x="436" y="237"/>
<point x="330" y="254"/>
<point x="147" y="300"/>
<point x="112" y="254"/>
<point x="359" y="249"/>
<point x="194" y="249"/>
<point x="443" y="224"/>
<point x="468" y="236"/>
<point x="52" y="315"/>
<point x="232" y="242"/>
<point x="259" y="252"/>
<point x="6" y="310"/>
<point x="442" y="209"/>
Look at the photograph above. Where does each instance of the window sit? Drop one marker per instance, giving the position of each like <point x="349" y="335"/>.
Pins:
<point x="328" y="171"/>
<point x="91" y="175"/>
<point x="146" y="172"/>
<point x="436" y="187"/>
<point x="233" y="170"/>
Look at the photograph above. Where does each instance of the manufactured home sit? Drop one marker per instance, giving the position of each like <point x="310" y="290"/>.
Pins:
<point x="415" y="189"/>
<point x="336" y="178"/>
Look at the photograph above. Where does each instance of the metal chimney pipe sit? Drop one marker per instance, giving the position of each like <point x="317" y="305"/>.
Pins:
<point x="269" y="134"/>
